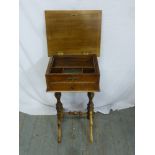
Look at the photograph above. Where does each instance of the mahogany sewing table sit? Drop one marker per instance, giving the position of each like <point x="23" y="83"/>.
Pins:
<point x="73" y="40"/>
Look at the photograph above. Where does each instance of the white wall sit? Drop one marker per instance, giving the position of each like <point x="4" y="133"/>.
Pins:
<point x="116" y="61"/>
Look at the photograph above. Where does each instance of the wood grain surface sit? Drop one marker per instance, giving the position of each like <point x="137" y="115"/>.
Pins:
<point x="73" y="32"/>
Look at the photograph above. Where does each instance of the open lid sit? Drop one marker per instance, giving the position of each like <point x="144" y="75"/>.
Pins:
<point x="75" y="32"/>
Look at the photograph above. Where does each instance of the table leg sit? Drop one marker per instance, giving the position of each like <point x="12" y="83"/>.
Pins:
<point x="59" y="108"/>
<point x="90" y="113"/>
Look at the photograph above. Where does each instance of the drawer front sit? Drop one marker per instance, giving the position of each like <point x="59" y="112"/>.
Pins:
<point x="86" y="86"/>
<point x="72" y="78"/>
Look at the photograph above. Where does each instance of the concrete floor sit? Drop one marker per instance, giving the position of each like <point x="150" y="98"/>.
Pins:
<point x="114" y="134"/>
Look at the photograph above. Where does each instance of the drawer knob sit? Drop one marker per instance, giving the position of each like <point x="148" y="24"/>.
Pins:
<point x="72" y="87"/>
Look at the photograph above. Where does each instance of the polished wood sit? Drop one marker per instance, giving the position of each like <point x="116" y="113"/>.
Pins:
<point x="73" y="32"/>
<point x="73" y="40"/>
<point x="90" y="115"/>
<point x="73" y="73"/>
<point x="59" y="108"/>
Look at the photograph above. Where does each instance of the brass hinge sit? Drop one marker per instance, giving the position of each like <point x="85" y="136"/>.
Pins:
<point x="85" y="53"/>
<point x="60" y="53"/>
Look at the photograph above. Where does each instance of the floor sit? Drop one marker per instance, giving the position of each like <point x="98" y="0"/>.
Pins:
<point x="114" y="134"/>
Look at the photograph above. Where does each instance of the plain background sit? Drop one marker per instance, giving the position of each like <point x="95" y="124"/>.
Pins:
<point x="116" y="61"/>
<point x="145" y="75"/>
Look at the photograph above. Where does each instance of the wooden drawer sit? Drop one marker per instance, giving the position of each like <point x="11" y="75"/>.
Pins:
<point x="72" y="78"/>
<point x="68" y="86"/>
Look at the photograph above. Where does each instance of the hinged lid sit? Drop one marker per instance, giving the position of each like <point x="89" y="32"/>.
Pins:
<point x="73" y="32"/>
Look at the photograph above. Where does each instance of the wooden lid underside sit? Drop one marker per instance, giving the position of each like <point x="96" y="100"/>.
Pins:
<point x="73" y="32"/>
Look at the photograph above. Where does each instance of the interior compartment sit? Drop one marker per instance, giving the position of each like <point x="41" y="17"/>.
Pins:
<point x="88" y="70"/>
<point x="67" y="61"/>
<point x="56" y="70"/>
<point x="73" y="64"/>
<point x="72" y="70"/>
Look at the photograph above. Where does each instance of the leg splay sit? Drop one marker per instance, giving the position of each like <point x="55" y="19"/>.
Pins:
<point x="90" y="114"/>
<point x="59" y="108"/>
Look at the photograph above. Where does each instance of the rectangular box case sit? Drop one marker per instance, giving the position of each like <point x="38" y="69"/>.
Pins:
<point x="73" y="41"/>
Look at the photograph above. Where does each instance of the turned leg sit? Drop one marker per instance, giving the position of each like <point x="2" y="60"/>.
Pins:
<point x="90" y="113"/>
<point x="59" y="108"/>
